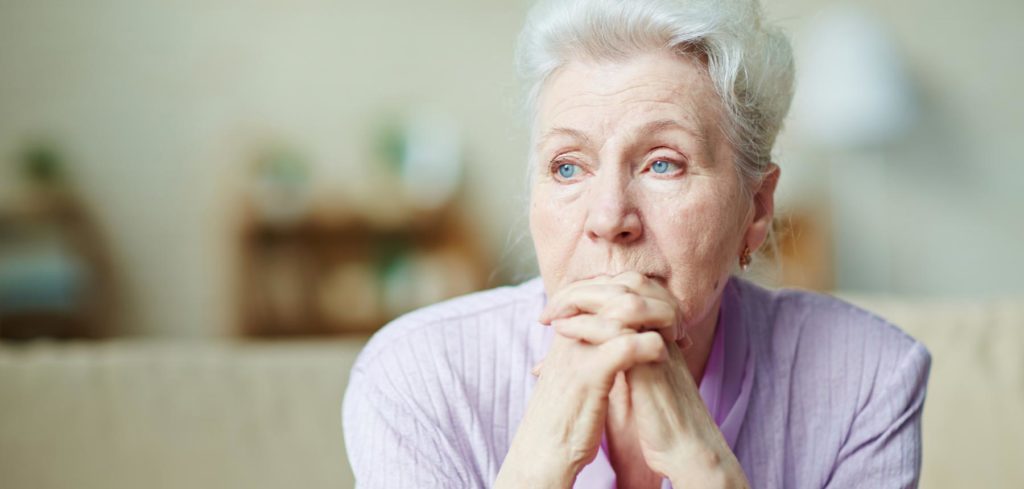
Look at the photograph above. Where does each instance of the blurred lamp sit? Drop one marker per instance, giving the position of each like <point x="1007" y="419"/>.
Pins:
<point x="854" y="100"/>
<point x="852" y="90"/>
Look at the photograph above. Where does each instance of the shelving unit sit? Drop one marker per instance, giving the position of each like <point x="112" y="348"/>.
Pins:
<point x="320" y="276"/>
<point x="56" y="280"/>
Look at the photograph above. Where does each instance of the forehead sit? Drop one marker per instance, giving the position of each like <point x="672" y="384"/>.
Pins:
<point x="601" y="98"/>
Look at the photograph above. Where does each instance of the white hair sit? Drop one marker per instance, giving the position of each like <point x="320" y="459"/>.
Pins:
<point x="750" y="64"/>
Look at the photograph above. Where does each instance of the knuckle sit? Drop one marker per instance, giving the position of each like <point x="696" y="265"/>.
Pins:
<point x="650" y="345"/>
<point x="667" y="311"/>
<point x="648" y="339"/>
<point x="632" y="278"/>
<point x="633" y="304"/>
<point x="613" y="326"/>
<point x="623" y="348"/>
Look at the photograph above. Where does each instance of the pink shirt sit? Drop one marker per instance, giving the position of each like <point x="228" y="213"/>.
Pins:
<point x="809" y="392"/>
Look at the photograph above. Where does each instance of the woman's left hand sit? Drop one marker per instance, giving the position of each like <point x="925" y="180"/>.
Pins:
<point x="654" y="409"/>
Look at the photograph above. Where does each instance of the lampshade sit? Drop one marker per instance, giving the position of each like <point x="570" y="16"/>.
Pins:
<point x="852" y="87"/>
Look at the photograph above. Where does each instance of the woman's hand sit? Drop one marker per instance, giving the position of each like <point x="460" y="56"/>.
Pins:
<point x="655" y="410"/>
<point x="678" y="437"/>
<point x="603" y="308"/>
<point x="561" y="429"/>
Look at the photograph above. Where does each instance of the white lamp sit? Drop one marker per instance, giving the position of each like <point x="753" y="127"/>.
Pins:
<point x="852" y="90"/>
<point x="853" y="101"/>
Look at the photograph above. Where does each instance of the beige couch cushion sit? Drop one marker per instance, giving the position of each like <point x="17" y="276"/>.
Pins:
<point x="974" y="414"/>
<point x="172" y="415"/>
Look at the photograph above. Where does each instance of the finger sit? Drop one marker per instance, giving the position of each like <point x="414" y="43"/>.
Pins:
<point x="643" y="313"/>
<point x="616" y="301"/>
<point x="589" y="296"/>
<point x="625" y="351"/>
<point x="554" y="301"/>
<point x="646" y="286"/>
<point x="536" y="368"/>
<point x="581" y="298"/>
<point x="618" y="403"/>
<point x="626" y="312"/>
<point x="643" y="285"/>
<point x="590" y="328"/>
<point x="620" y="390"/>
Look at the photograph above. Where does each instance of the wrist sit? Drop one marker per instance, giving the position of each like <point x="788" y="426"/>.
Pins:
<point x="535" y="470"/>
<point x="705" y="467"/>
<point x="538" y="457"/>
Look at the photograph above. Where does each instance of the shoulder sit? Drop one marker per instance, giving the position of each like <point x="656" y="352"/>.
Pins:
<point x="454" y="369"/>
<point x="429" y="380"/>
<point x="794" y="318"/>
<point x="457" y="352"/>
<point x="438" y="327"/>
<point x="833" y="374"/>
<point x="807" y="340"/>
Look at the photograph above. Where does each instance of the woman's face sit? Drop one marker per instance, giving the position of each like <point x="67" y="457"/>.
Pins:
<point x="634" y="173"/>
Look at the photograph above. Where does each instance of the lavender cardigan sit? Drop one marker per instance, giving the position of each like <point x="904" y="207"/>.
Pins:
<point x="809" y="392"/>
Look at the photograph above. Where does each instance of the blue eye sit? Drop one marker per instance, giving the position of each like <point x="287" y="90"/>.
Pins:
<point x="662" y="166"/>
<point x="568" y="170"/>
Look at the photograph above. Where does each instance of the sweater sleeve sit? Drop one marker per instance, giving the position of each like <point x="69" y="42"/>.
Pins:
<point x="883" y="448"/>
<point x="388" y="443"/>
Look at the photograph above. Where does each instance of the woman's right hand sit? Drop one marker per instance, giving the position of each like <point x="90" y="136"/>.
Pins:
<point x="561" y="430"/>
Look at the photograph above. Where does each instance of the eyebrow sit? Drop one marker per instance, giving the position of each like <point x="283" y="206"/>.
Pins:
<point x="648" y="128"/>
<point x="565" y="131"/>
<point x="667" y="124"/>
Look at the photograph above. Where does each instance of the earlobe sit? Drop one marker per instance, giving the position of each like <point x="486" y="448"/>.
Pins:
<point x="764" y="209"/>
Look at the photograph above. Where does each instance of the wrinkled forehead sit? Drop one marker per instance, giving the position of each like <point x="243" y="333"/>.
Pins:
<point x="605" y="99"/>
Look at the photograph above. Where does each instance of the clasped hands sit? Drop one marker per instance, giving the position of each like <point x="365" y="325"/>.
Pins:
<point x="617" y="365"/>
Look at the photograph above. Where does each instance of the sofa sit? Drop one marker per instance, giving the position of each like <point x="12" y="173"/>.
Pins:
<point x="234" y="414"/>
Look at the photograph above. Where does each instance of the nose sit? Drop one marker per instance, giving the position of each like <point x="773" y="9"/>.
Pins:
<point x="612" y="216"/>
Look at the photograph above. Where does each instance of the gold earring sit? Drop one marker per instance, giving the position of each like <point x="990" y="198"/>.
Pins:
<point x="745" y="258"/>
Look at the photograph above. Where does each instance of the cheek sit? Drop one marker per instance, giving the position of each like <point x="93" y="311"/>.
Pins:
<point x="553" y="225"/>
<point x="692" y="231"/>
<point x="697" y="240"/>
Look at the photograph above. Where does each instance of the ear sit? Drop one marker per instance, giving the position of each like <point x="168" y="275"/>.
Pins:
<point x="764" y="209"/>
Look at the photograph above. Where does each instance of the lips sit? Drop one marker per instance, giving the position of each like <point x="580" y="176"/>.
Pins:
<point x="653" y="276"/>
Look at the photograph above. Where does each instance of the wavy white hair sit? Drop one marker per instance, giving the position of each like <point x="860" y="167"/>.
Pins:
<point x="750" y="64"/>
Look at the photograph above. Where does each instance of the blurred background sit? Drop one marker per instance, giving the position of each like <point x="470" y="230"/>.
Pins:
<point x="215" y="168"/>
<point x="310" y="169"/>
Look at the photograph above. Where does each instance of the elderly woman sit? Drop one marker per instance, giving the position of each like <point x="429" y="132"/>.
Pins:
<point x="637" y="359"/>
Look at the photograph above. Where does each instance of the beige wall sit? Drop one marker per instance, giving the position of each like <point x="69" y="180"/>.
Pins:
<point x="160" y="104"/>
<point x="953" y="200"/>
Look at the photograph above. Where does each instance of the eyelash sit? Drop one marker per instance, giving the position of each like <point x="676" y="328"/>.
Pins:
<point x="678" y="164"/>
<point x="557" y="164"/>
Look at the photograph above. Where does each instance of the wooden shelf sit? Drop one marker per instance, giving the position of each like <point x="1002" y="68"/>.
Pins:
<point x="339" y="277"/>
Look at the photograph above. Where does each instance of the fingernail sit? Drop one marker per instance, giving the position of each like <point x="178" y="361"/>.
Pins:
<point x="547" y="314"/>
